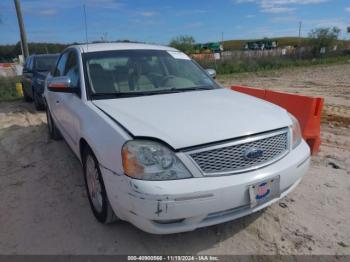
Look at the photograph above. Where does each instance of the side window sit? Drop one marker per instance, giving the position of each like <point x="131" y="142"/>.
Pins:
<point x="59" y="71"/>
<point x="32" y="64"/>
<point x="29" y="64"/>
<point x="72" y="69"/>
<point x="26" y="63"/>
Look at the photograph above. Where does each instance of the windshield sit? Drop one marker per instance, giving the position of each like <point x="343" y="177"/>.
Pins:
<point x="143" y="72"/>
<point x="45" y="63"/>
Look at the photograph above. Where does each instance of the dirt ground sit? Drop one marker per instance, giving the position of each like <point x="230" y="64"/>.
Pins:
<point x="44" y="208"/>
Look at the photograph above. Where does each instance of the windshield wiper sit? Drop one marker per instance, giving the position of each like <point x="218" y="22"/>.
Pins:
<point x="111" y="95"/>
<point x="131" y="94"/>
<point x="149" y="93"/>
<point x="195" y="88"/>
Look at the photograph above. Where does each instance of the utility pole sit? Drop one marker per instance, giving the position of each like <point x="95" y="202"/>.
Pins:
<point x="22" y="31"/>
<point x="299" y="44"/>
<point x="222" y="39"/>
<point x="300" y="23"/>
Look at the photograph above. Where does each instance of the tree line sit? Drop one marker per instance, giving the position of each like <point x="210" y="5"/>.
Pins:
<point x="10" y="52"/>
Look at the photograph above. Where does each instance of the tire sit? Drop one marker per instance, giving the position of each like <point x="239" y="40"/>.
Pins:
<point x="26" y="97"/>
<point x="96" y="190"/>
<point x="38" y="105"/>
<point x="53" y="130"/>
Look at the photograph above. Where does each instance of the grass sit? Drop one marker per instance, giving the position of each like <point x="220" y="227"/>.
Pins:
<point x="8" y="88"/>
<point x="265" y="64"/>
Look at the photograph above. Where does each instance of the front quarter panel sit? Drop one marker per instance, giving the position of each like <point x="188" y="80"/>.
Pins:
<point x="105" y="137"/>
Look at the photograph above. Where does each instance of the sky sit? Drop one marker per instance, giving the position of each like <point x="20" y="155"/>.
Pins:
<point x="158" y="21"/>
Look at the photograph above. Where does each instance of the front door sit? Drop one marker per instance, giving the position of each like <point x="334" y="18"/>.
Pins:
<point x="71" y="102"/>
<point x="55" y="98"/>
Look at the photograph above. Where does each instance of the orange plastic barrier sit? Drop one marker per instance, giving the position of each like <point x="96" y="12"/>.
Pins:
<point x="260" y="93"/>
<point x="306" y="109"/>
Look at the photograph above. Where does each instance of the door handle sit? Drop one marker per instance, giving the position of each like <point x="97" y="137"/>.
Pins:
<point x="57" y="101"/>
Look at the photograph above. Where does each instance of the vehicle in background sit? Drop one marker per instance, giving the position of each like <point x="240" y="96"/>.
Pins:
<point x="34" y="74"/>
<point x="261" y="44"/>
<point x="208" y="48"/>
<point x="165" y="147"/>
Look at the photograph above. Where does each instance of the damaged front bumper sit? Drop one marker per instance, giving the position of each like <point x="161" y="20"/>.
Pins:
<point x="165" y="207"/>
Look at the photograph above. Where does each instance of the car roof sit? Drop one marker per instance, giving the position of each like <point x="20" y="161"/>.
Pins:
<point x="98" y="47"/>
<point x="44" y="55"/>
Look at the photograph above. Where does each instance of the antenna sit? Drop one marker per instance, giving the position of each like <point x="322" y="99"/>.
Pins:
<point x="86" y="32"/>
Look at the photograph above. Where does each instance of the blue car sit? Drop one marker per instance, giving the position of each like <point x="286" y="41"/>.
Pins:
<point x="34" y="74"/>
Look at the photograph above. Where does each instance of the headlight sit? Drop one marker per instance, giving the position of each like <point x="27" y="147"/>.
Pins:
<point x="296" y="132"/>
<point x="148" y="160"/>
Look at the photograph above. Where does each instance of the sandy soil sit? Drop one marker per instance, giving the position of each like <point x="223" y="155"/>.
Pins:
<point x="44" y="208"/>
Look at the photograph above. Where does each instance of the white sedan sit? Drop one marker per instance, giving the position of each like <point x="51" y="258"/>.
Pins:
<point x="162" y="145"/>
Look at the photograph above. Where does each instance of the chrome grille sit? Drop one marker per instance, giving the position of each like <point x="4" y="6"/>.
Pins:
<point x="230" y="158"/>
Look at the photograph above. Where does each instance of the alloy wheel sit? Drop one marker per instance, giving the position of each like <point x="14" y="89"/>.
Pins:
<point x="94" y="184"/>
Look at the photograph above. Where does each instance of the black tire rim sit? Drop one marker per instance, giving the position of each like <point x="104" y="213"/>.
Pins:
<point x="49" y="122"/>
<point x="35" y="100"/>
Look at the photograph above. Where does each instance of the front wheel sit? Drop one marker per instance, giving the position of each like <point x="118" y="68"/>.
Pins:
<point x="95" y="188"/>
<point x="26" y="97"/>
<point x="38" y="105"/>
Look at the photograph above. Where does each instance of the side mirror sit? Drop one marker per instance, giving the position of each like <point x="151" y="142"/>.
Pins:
<point x="211" y="73"/>
<point x="61" y="84"/>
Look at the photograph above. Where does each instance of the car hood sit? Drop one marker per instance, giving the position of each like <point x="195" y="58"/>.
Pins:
<point x="194" y="118"/>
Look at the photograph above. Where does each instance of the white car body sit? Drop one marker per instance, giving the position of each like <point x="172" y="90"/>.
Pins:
<point x="185" y="122"/>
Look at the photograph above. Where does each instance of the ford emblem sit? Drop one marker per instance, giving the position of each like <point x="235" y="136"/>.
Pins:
<point x="253" y="153"/>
